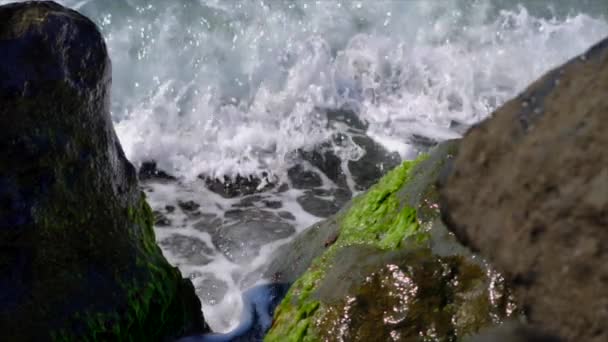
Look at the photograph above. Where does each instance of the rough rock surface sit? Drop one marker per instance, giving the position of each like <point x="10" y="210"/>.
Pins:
<point x="385" y="268"/>
<point x="78" y="259"/>
<point x="529" y="190"/>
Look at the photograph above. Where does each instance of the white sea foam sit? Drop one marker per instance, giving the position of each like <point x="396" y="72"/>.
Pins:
<point x="230" y="87"/>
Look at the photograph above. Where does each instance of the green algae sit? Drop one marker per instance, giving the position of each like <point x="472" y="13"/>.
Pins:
<point x="90" y="267"/>
<point x="351" y="292"/>
<point x="374" y="219"/>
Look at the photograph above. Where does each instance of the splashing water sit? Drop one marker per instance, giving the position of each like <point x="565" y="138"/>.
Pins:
<point x="224" y="88"/>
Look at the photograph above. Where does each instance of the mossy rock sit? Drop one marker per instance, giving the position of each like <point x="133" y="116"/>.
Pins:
<point x="78" y="258"/>
<point x="385" y="268"/>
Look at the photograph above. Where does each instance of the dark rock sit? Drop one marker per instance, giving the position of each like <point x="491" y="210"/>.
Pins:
<point x="248" y="201"/>
<point x="303" y="179"/>
<point x="208" y="222"/>
<point x="529" y="190"/>
<point x="374" y="164"/>
<point x="286" y="215"/>
<point x="238" y="186"/>
<point x="78" y="258"/>
<point x="513" y="332"/>
<point x="384" y="296"/>
<point x="192" y="250"/>
<point x="148" y="171"/>
<point x="313" y="202"/>
<point x="424" y="143"/>
<point x="347" y="117"/>
<point x="188" y="206"/>
<point x="324" y="159"/>
<point x="273" y="204"/>
<point x="160" y="220"/>
<point x="291" y="260"/>
<point x="251" y="229"/>
<point x="365" y="171"/>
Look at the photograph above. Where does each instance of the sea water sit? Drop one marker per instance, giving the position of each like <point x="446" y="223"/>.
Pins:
<point x="225" y="88"/>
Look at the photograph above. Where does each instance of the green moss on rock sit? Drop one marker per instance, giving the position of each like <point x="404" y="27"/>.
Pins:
<point x="78" y="258"/>
<point x="373" y="219"/>
<point x="388" y="276"/>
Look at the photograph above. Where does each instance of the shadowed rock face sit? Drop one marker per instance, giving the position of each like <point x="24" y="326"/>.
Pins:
<point x="78" y="259"/>
<point x="529" y="190"/>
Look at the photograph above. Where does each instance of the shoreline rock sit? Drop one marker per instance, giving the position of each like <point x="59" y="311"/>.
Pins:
<point x="528" y="189"/>
<point x="78" y="257"/>
<point x="386" y="268"/>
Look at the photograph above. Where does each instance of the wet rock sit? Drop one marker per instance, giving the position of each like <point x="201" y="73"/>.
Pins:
<point x="78" y="258"/>
<point x="238" y="186"/>
<point x="148" y="171"/>
<point x="207" y="222"/>
<point x="303" y="179"/>
<point x="374" y="164"/>
<point x="286" y="215"/>
<point x="245" y="231"/>
<point x="272" y="204"/>
<point x="324" y="159"/>
<point x="529" y="190"/>
<point x="291" y="260"/>
<point x="403" y="295"/>
<point x="385" y="268"/>
<point x="513" y="331"/>
<point x="324" y="203"/>
<point x="248" y="201"/>
<point x="160" y="220"/>
<point x="188" y="206"/>
<point x="365" y="171"/>
<point x="425" y="143"/>
<point x="192" y="250"/>
<point x="347" y="117"/>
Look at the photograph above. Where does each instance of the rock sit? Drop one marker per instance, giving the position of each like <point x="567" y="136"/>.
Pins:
<point x="402" y="295"/>
<point x="345" y="116"/>
<point x="193" y="251"/>
<point x="188" y="206"/>
<point x="238" y="186"/>
<point x="160" y="220"/>
<point x="374" y="164"/>
<point x="78" y="258"/>
<point x="245" y="232"/>
<point x="148" y="171"/>
<point x="323" y="158"/>
<point x="303" y="179"/>
<point x="365" y="171"/>
<point x="386" y="268"/>
<point x="529" y="190"/>
<point x="324" y="203"/>
<point x="513" y="332"/>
